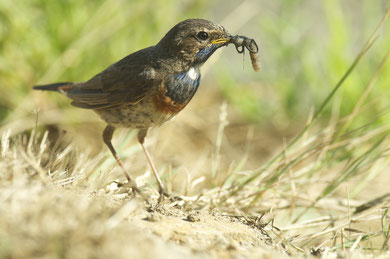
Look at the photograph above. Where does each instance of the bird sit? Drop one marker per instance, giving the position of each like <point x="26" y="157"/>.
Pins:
<point x="148" y="87"/>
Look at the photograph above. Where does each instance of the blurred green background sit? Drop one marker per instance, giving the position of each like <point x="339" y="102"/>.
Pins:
<point x="305" y="47"/>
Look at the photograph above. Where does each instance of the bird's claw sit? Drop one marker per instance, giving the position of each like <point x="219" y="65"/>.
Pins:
<point x="163" y="193"/>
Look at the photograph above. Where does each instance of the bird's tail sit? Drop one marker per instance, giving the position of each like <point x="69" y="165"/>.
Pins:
<point x="57" y="87"/>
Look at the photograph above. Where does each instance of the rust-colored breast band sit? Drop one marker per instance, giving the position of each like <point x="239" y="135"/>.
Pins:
<point x="165" y="104"/>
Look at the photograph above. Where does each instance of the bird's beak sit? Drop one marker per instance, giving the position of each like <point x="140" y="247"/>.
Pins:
<point x="221" y="41"/>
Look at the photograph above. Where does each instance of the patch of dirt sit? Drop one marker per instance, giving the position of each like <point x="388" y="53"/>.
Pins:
<point x="46" y="221"/>
<point x="212" y="233"/>
<point x="204" y="233"/>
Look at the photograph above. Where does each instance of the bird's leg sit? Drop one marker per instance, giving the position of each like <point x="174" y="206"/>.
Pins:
<point x="107" y="137"/>
<point x="141" y="138"/>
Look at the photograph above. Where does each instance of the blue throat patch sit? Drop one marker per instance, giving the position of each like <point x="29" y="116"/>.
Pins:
<point x="204" y="54"/>
<point x="182" y="87"/>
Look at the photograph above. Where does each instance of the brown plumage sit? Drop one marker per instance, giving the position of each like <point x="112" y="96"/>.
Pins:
<point x="150" y="86"/>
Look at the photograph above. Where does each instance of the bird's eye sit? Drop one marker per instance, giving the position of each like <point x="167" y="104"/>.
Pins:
<point x="202" y="35"/>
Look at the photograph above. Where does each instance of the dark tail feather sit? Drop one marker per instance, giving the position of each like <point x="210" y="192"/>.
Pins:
<point x="57" y="87"/>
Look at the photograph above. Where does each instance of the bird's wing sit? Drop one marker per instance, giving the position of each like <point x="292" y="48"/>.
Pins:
<point x="125" y="82"/>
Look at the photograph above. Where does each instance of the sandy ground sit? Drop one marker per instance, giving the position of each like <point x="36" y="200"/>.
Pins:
<point x="40" y="221"/>
<point x="49" y="221"/>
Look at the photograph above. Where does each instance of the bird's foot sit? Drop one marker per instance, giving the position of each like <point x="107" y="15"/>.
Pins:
<point x="133" y="186"/>
<point x="163" y="193"/>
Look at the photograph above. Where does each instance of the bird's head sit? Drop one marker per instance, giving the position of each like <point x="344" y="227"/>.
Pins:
<point x="194" y="40"/>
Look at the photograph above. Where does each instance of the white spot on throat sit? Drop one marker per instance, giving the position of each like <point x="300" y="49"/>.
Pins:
<point x="193" y="73"/>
